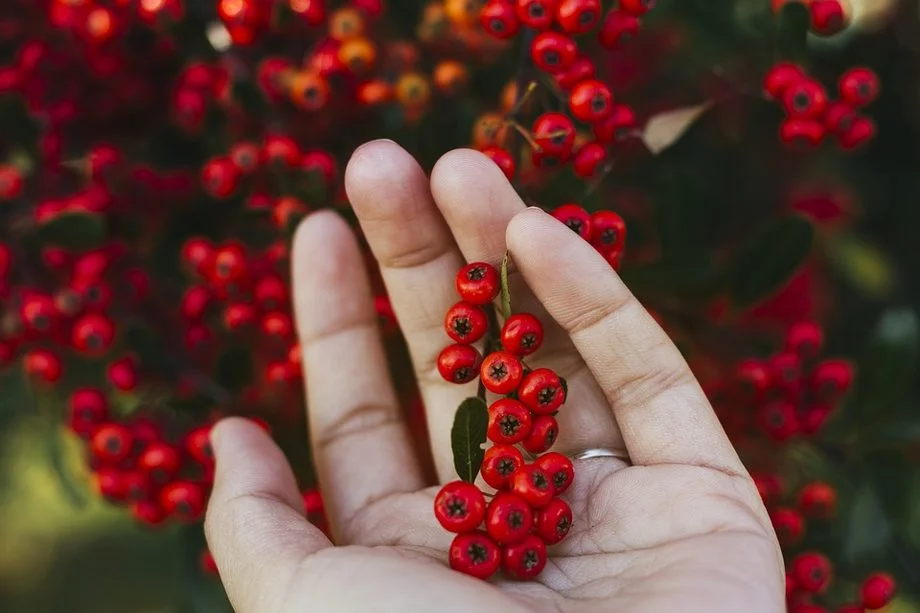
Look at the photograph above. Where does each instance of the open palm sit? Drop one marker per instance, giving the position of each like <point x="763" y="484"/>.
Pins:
<point x="677" y="526"/>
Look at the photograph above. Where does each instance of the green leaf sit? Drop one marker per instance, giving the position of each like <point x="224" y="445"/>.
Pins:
<point x="887" y="369"/>
<point x="769" y="260"/>
<point x="868" y="530"/>
<point x="506" y="287"/>
<point x="467" y="437"/>
<point x="792" y="26"/>
<point x="75" y="230"/>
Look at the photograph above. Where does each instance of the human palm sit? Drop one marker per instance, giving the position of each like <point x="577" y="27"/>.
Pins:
<point x="674" y="524"/>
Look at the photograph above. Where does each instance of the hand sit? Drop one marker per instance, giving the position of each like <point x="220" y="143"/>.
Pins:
<point x="678" y="527"/>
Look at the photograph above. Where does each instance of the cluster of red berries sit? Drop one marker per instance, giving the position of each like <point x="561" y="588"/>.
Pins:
<point x="159" y="473"/>
<point x="525" y="514"/>
<point x="554" y="137"/>
<point x="605" y="230"/>
<point x="812" y="115"/>
<point x="793" y="392"/>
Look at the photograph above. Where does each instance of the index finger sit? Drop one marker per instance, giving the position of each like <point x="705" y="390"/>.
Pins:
<point x="660" y="407"/>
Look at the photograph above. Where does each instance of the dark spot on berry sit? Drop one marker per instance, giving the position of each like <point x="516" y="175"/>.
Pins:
<point x="497" y="25"/>
<point x="563" y="526"/>
<point x="477" y="273"/>
<point x="94" y="341"/>
<point x="462" y="374"/>
<point x="551" y="58"/>
<point x="586" y="18"/>
<point x="531" y="559"/>
<point x="456" y="507"/>
<point x="505" y="467"/>
<point x="509" y="425"/>
<point x="550" y="436"/>
<point x="539" y="481"/>
<point x="462" y="326"/>
<point x="598" y="103"/>
<point x="609" y="236"/>
<point x="113" y="445"/>
<point x="528" y="340"/>
<point x="546" y="396"/>
<point x="776" y="418"/>
<point x="498" y="371"/>
<point x="576" y="225"/>
<point x="515" y="519"/>
<point x="477" y="553"/>
<point x="184" y="508"/>
<point x="801" y="101"/>
<point x="620" y="134"/>
<point x="536" y="11"/>
<point x="560" y="478"/>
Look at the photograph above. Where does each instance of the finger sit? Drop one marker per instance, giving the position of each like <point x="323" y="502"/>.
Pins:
<point x="478" y="203"/>
<point x="255" y="526"/>
<point x="418" y="261"/>
<point x="361" y="447"/>
<point x="660" y="408"/>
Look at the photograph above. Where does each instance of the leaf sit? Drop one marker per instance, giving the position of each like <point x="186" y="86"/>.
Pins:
<point x="75" y="230"/>
<point x="467" y="436"/>
<point x="867" y="531"/>
<point x="792" y="26"/>
<point x="506" y="287"/>
<point x="769" y="260"/>
<point x="887" y="369"/>
<point x="664" y="129"/>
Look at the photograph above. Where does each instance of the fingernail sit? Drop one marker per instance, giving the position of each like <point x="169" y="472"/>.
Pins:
<point x="375" y="142"/>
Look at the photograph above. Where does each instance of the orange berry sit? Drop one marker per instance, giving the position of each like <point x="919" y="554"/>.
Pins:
<point x="450" y="76"/>
<point x="374" y="93"/>
<point x="346" y="24"/>
<point x="413" y="90"/>
<point x="358" y="54"/>
<point x="308" y="90"/>
<point x="489" y="129"/>
<point x="463" y="13"/>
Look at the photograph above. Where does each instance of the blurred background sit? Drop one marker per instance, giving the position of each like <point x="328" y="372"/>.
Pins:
<point x="62" y="548"/>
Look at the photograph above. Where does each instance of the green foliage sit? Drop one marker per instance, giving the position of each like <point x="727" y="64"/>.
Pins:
<point x="467" y="436"/>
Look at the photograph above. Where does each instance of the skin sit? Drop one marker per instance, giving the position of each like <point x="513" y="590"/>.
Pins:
<point x="678" y="526"/>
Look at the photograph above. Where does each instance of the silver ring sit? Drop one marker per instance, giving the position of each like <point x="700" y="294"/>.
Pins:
<point x="587" y="454"/>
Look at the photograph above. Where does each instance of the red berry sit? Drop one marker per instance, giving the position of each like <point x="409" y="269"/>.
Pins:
<point x="805" y="339"/>
<point x="537" y="14"/>
<point x="617" y="126"/>
<point x="39" y="313"/>
<point x="818" y="500"/>
<point x="543" y="433"/>
<point x="541" y="391"/>
<point x="198" y="445"/>
<point x="582" y="68"/>
<point x="122" y="373"/>
<point x="313" y="502"/>
<point x="501" y="372"/>
<point x="618" y="27"/>
<point x="832" y="378"/>
<point x="559" y="468"/>
<point x="637" y="7"/>
<point x="459" y="507"/>
<point x="534" y="484"/>
<point x="526" y="559"/>
<point x="499" y="464"/>
<point x="553" y="52"/>
<point x="859" y="86"/>
<point x="553" y="522"/>
<point x="827" y="17"/>
<point x="591" y="101"/>
<point x="466" y="323"/>
<point x="608" y="232"/>
<point x="860" y="132"/>
<point x="781" y="77"/>
<point x="778" y="420"/>
<point x="43" y="365"/>
<point x="770" y="487"/>
<point x="576" y="218"/>
<point x="10" y="182"/>
<point x="805" y="99"/>
<point x="183" y="500"/>
<point x="219" y="177"/>
<point x="508" y="518"/>
<point x="554" y="133"/>
<point x="499" y="19"/>
<point x="812" y="571"/>
<point x="877" y="590"/>
<point x="459" y="363"/>
<point x="474" y="553"/>
<point x="110" y="483"/>
<point x="93" y="334"/>
<point x="588" y="159"/>
<point x="839" y="117"/>
<point x="502" y="159"/>
<point x="160" y="460"/>
<point x="578" y="16"/>
<point x="522" y="334"/>
<point x="789" y="525"/>
<point x="111" y="443"/>
<point x="148" y="512"/>
<point x="247" y="157"/>
<point x="509" y="421"/>
<point x="478" y="283"/>
<point x="198" y="253"/>
<point x="88" y="408"/>
<point x="229" y="264"/>
<point x="802" y="132"/>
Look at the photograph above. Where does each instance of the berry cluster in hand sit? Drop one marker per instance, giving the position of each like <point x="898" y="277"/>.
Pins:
<point x="525" y="515"/>
<point x="810" y="113"/>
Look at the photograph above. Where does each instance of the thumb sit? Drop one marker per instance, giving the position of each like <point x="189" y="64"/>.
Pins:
<point x="255" y="525"/>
